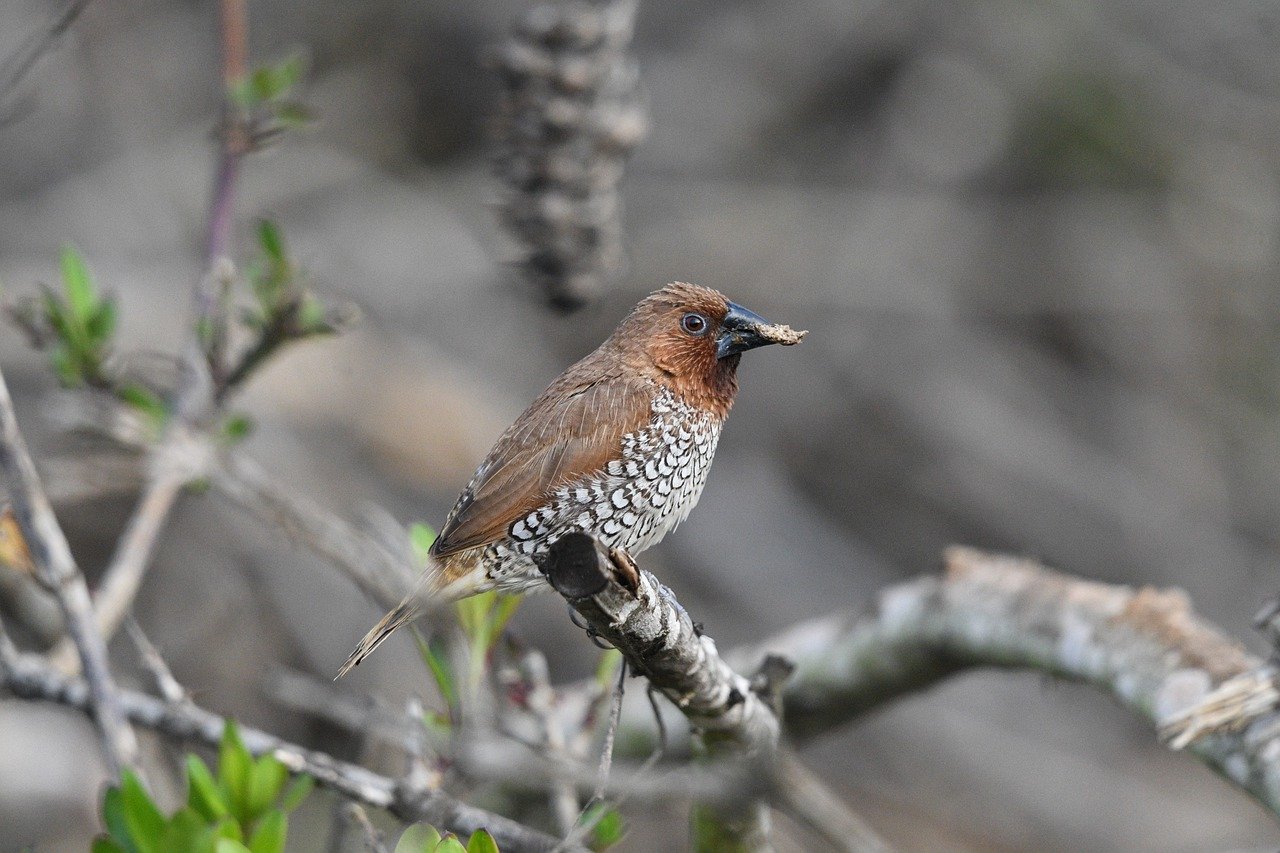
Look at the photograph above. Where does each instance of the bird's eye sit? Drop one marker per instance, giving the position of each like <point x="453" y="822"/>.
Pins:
<point x="693" y="323"/>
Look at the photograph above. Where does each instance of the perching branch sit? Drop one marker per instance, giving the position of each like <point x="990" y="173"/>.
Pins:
<point x="57" y="570"/>
<point x="28" y="677"/>
<point x="659" y="640"/>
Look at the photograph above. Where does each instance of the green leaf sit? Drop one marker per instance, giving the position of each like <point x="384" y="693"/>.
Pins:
<point x="421" y="537"/>
<point x="101" y="325"/>
<point x="270" y="835"/>
<point x="103" y="844"/>
<point x="436" y="660"/>
<point x="450" y="844"/>
<point x="418" y="838"/>
<point x="296" y="793"/>
<point x="227" y="845"/>
<point x="266" y="781"/>
<point x="66" y="366"/>
<point x="607" y="668"/>
<point x="504" y="608"/>
<point x="312" y="316"/>
<point x="473" y="612"/>
<point x="203" y="794"/>
<point x="81" y="296"/>
<point x="236" y="427"/>
<point x="274" y="81"/>
<point x="609" y="829"/>
<point x="235" y="772"/>
<point x="293" y="115"/>
<point x="146" y="823"/>
<point x="145" y="401"/>
<point x="188" y="831"/>
<point x="228" y="828"/>
<point x="113" y="818"/>
<point x="482" y="842"/>
<point x="271" y="241"/>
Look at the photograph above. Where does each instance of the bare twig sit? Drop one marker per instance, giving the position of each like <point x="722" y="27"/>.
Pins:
<point x="168" y="686"/>
<point x="382" y="574"/>
<point x="15" y="67"/>
<point x="541" y="702"/>
<point x="57" y="570"/>
<point x="372" y="838"/>
<point x="124" y="574"/>
<point x="29" y="677"/>
<point x="801" y="794"/>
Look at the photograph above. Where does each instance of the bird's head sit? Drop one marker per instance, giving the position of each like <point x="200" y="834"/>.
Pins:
<point x="693" y="337"/>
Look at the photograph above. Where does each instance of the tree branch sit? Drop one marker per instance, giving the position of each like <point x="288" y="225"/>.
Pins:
<point x="28" y="677"/>
<point x="659" y="640"/>
<point x="57" y="570"/>
<point x="1145" y="647"/>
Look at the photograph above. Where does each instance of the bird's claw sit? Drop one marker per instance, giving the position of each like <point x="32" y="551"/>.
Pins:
<point x="627" y="569"/>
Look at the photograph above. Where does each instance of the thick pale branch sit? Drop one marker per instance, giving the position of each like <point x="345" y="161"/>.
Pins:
<point x="1143" y="646"/>
<point x="659" y="640"/>
<point x="28" y="677"/>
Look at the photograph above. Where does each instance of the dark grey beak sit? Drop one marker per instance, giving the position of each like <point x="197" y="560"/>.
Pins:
<point x="743" y="330"/>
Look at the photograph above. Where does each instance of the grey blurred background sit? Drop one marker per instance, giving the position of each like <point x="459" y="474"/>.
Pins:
<point x="1036" y="244"/>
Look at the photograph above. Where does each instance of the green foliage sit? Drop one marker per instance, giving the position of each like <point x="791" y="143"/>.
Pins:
<point x="436" y="657"/>
<point x="712" y="834"/>
<point x="236" y="428"/>
<point x="75" y="324"/>
<point x="266" y="99"/>
<point x="244" y="808"/>
<point x="421" y="538"/>
<point x="422" y="838"/>
<point x="609" y="827"/>
<point x="283" y="306"/>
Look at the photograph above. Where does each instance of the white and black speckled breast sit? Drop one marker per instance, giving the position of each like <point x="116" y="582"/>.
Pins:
<point x="633" y="503"/>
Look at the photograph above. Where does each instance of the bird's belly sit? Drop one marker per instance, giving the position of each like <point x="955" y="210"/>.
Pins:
<point x="632" y="504"/>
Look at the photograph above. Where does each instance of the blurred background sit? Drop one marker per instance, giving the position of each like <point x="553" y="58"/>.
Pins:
<point x="1036" y="245"/>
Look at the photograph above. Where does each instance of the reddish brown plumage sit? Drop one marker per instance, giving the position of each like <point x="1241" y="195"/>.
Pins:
<point x="618" y="445"/>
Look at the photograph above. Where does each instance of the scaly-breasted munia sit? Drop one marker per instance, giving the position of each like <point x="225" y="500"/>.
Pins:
<point x="617" y="447"/>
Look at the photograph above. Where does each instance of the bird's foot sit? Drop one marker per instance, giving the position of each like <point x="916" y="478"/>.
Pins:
<point x="628" y="571"/>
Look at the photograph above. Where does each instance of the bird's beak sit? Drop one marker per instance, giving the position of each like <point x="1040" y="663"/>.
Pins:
<point x="743" y="330"/>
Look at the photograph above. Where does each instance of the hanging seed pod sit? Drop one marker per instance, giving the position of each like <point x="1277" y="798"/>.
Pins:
<point x="569" y="117"/>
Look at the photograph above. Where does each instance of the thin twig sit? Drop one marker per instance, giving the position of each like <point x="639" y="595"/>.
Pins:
<point x="15" y="67"/>
<point x="610" y="733"/>
<point x="799" y="792"/>
<point x="124" y="574"/>
<point x="30" y="677"/>
<point x="169" y="687"/>
<point x="385" y="576"/>
<point x="372" y="838"/>
<point x="57" y="570"/>
<point x="541" y="702"/>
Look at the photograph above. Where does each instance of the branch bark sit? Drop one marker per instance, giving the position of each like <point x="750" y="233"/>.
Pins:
<point x="1145" y="647"/>
<point x="660" y="641"/>
<point x="28" y="677"/>
<point x="57" y="570"/>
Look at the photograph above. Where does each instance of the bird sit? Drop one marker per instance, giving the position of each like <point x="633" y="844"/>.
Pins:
<point x="617" y="447"/>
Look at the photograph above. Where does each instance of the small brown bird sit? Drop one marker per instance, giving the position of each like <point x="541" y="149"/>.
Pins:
<point x="618" y="447"/>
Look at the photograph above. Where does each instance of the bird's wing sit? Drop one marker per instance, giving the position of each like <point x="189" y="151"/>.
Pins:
<point x="574" y="429"/>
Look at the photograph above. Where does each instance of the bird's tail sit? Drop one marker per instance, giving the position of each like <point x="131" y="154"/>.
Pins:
<point x="432" y="592"/>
